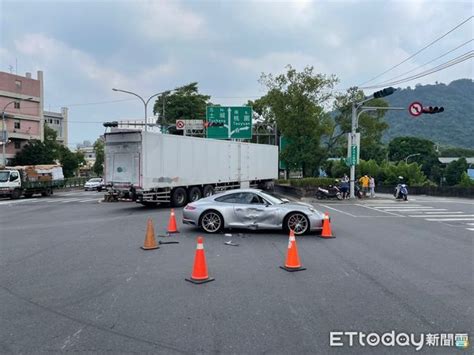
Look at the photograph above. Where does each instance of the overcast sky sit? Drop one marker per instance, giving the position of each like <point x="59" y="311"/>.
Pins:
<point x="85" y="48"/>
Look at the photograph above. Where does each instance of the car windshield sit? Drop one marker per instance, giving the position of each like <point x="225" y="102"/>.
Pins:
<point x="4" y="176"/>
<point x="95" y="180"/>
<point x="272" y="199"/>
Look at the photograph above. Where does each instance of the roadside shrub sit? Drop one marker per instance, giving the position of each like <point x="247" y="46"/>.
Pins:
<point x="312" y="182"/>
<point x="466" y="181"/>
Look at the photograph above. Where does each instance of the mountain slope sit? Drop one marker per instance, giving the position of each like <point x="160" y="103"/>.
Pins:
<point x="454" y="127"/>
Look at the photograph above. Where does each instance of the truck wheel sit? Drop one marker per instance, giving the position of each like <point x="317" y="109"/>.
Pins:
<point x="208" y="190"/>
<point x="194" y="194"/>
<point x="178" y="197"/>
<point x="46" y="193"/>
<point x="29" y="195"/>
<point x="16" y="194"/>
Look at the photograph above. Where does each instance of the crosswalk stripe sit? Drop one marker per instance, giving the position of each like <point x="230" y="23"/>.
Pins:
<point x="441" y="215"/>
<point x="448" y="219"/>
<point x="471" y="224"/>
<point x="71" y="200"/>
<point x="389" y="207"/>
<point x="470" y="229"/>
<point x="421" y="210"/>
<point x="447" y="212"/>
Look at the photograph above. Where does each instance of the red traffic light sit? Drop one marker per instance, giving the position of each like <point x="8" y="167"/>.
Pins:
<point x="431" y="109"/>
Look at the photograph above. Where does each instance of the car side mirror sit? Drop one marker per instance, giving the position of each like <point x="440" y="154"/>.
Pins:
<point x="285" y="200"/>
<point x="13" y="178"/>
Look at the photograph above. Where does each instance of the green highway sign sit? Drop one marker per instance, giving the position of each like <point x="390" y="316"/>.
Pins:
<point x="236" y="122"/>
<point x="354" y="155"/>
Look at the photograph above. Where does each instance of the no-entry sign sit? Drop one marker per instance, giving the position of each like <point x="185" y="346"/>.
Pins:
<point x="415" y="109"/>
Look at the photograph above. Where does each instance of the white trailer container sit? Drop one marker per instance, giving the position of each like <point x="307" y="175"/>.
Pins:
<point x="153" y="167"/>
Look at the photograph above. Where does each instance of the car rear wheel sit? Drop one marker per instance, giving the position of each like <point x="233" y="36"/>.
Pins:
<point x="297" y="222"/>
<point x="211" y="222"/>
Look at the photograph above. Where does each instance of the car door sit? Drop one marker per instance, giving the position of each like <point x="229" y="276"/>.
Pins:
<point x="252" y="211"/>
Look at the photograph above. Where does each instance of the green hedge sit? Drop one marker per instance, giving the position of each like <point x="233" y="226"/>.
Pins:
<point x="307" y="182"/>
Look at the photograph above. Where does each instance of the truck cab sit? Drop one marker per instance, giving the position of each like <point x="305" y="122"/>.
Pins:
<point x="10" y="183"/>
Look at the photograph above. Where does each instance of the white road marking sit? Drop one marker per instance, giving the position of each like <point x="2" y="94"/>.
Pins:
<point x="447" y="212"/>
<point x="57" y="200"/>
<point x="413" y="210"/>
<point x="14" y="202"/>
<point x="90" y="199"/>
<point x="448" y="219"/>
<point x="441" y="216"/>
<point x="71" y="200"/>
<point x="470" y="229"/>
<point x="410" y="206"/>
<point x="470" y="224"/>
<point x="374" y="209"/>
<point x="335" y="209"/>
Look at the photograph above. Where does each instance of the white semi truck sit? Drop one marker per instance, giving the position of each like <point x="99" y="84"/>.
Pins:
<point x="153" y="168"/>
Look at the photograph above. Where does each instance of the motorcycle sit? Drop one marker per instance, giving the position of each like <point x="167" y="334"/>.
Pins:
<point x="401" y="192"/>
<point x="330" y="192"/>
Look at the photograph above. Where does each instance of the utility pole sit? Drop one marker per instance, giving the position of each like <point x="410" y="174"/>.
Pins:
<point x="356" y="106"/>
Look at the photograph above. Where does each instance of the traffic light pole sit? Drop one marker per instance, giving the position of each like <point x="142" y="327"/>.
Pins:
<point x="355" y="124"/>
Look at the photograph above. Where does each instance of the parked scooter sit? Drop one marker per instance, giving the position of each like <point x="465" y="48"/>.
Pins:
<point x="331" y="192"/>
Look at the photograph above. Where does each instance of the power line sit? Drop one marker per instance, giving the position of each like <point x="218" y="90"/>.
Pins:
<point x="416" y="53"/>
<point x="422" y="65"/>
<point x="450" y="63"/>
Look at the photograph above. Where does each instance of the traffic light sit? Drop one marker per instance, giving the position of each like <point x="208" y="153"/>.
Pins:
<point x="214" y="124"/>
<point x="431" y="109"/>
<point x="385" y="92"/>
<point x="111" y="124"/>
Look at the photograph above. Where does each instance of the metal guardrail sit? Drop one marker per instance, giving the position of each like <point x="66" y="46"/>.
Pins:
<point x="73" y="182"/>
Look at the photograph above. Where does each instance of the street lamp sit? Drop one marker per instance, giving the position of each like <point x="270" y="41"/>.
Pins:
<point x="145" y="103"/>
<point x="411" y="155"/>
<point x="354" y="124"/>
<point x="4" y="131"/>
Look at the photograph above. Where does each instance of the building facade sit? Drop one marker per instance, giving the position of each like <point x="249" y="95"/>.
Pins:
<point x="59" y="122"/>
<point x="21" y="105"/>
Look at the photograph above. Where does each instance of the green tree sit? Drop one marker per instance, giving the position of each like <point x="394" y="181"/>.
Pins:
<point x="466" y="181"/>
<point x="183" y="103"/>
<point x="456" y="152"/>
<point x="49" y="152"/>
<point x="454" y="171"/>
<point x="33" y="153"/>
<point x="98" y="167"/>
<point x="400" y="148"/>
<point x="70" y="161"/>
<point x="295" y="101"/>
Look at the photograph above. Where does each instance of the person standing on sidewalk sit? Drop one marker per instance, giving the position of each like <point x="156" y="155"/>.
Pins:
<point x="372" y="186"/>
<point x="364" y="181"/>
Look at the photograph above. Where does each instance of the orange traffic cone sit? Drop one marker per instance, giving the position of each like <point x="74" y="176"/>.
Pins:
<point x="326" y="232"/>
<point x="199" y="275"/>
<point x="292" y="259"/>
<point x="172" y="228"/>
<point x="150" y="242"/>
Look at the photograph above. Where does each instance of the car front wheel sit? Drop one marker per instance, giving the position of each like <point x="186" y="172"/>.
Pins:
<point x="297" y="222"/>
<point x="211" y="222"/>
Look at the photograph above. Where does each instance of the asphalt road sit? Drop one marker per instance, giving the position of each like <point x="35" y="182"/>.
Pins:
<point x="74" y="279"/>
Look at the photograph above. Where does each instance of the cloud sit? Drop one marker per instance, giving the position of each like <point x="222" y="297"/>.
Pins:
<point x="169" y="20"/>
